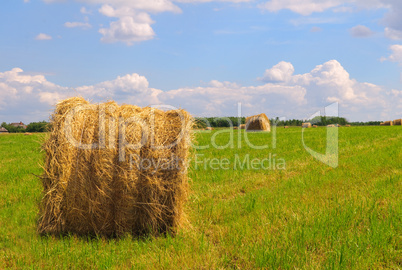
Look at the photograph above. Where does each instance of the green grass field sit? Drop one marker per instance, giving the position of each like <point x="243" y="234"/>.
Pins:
<point x="299" y="214"/>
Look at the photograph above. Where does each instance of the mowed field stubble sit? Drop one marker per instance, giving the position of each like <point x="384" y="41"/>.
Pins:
<point x="284" y="211"/>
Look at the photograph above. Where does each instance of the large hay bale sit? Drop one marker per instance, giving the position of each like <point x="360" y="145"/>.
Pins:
<point x="131" y="180"/>
<point x="306" y="125"/>
<point x="388" y="123"/>
<point x="258" y="122"/>
<point x="397" y="122"/>
<point x="242" y="126"/>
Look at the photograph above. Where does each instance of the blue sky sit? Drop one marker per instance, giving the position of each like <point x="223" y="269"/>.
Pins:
<point x="285" y="58"/>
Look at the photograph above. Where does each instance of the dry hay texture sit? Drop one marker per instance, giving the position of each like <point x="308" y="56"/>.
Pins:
<point x="104" y="191"/>
<point x="242" y="126"/>
<point x="397" y="122"/>
<point x="306" y="125"/>
<point x="258" y="122"/>
<point x="388" y="123"/>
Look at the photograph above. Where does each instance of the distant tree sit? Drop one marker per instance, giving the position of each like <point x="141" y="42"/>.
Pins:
<point x="38" y="127"/>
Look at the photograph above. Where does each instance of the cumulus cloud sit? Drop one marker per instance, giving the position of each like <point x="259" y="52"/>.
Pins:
<point x="282" y="72"/>
<point x="131" y="88"/>
<point x="43" y="36"/>
<point x="27" y="97"/>
<point x="282" y="93"/>
<point x="133" y="22"/>
<point x="133" y="25"/>
<point x="396" y="55"/>
<point x="127" y="30"/>
<point x="361" y="31"/>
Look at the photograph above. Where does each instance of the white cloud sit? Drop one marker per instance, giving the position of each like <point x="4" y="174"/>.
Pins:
<point x="133" y="22"/>
<point x="83" y="25"/>
<point x="128" y="31"/>
<point x="282" y="72"/>
<point x="307" y="7"/>
<point x="361" y="31"/>
<point x="396" y="55"/>
<point x="43" y="36"/>
<point x="393" y="34"/>
<point x="303" y="7"/>
<point x="284" y="93"/>
<point x="129" y="88"/>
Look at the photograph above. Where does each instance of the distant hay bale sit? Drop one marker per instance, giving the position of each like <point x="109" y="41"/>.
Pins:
<point x="27" y="133"/>
<point x="209" y="128"/>
<point x="347" y="125"/>
<point x="126" y="173"/>
<point x="397" y="122"/>
<point x="381" y="124"/>
<point x="388" y="123"/>
<point x="331" y="125"/>
<point x="315" y="126"/>
<point x="286" y="127"/>
<point x="242" y="126"/>
<point x="235" y="127"/>
<point x="258" y="122"/>
<point x="306" y="125"/>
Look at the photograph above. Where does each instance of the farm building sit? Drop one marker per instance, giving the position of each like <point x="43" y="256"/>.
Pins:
<point x="3" y="130"/>
<point x="258" y="122"/>
<point x="306" y="125"/>
<point x="20" y="124"/>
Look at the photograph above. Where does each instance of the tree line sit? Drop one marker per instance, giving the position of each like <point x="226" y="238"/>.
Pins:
<point x="202" y="122"/>
<point x="32" y="127"/>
